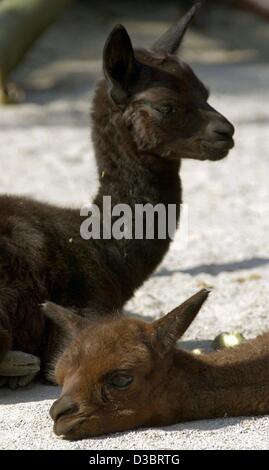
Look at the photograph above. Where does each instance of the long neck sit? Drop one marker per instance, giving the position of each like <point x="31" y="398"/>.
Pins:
<point x="233" y="382"/>
<point x="130" y="177"/>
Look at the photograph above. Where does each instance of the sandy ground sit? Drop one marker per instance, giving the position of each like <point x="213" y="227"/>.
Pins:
<point x="46" y="153"/>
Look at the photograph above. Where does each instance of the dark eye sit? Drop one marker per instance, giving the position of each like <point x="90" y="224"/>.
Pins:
<point x="166" y="109"/>
<point x="120" y="380"/>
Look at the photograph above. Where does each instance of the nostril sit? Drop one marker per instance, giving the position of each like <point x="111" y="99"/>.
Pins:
<point x="225" y="129"/>
<point x="64" y="406"/>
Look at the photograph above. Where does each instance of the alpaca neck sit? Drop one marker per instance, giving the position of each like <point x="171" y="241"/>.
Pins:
<point x="130" y="177"/>
<point x="126" y="173"/>
<point x="233" y="382"/>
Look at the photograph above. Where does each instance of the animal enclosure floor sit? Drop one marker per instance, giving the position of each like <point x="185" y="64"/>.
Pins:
<point x="46" y="154"/>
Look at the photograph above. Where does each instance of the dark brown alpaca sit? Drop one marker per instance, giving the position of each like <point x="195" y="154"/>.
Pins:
<point x="126" y="373"/>
<point x="149" y="113"/>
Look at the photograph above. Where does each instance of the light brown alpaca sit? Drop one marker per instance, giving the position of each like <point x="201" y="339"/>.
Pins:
<point x="125" y="373"/>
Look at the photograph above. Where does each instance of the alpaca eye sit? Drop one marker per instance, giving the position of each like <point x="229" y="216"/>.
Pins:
<point x="120" y="380"/>
<point x="166" y="109"/>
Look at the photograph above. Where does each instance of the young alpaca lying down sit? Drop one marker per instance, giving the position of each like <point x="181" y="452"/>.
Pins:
<point x="148" y="113"/>
<point x="124" y="373"/>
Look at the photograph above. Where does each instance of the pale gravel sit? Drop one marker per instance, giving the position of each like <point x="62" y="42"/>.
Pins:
<point x="45" y="153"/>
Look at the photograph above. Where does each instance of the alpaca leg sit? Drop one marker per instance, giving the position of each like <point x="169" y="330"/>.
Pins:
<point x="3" y="87"/>
<point x="18" y="369"/>
<point x="5" y="343"/>
<point x="18" y="382"/>
<point x="8" y="305"/>
<point x="3" y="381"/>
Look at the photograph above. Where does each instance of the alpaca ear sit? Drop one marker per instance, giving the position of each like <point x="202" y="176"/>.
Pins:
<point x="69" y="322"/>
<point x="171" y="40"/>
<point x="172" y="326"/>
<point x="120" y="66"/>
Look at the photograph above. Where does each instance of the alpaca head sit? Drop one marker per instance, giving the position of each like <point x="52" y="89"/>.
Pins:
<point x="162" y="103"/>
<point x="114" y="373"/>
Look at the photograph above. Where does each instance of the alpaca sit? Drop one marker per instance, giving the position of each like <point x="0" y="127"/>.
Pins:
<point x="125" y="373"/>
<point x="148" y="113"/>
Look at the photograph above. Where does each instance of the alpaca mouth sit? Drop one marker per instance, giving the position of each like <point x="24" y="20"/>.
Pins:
<point x="65" y="425"/>
<point x="218" y="149"/>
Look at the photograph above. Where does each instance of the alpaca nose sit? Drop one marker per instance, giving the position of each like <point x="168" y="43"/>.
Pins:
<point x="63" y="406"/>
<point x="223" y="128"/>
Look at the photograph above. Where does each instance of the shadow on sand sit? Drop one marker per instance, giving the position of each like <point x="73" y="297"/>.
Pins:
<point x="34" y="392"/>
<point x="215" y="269"/>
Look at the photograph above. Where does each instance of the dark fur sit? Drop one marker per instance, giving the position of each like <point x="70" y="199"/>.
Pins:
<point x="138" y="148"/>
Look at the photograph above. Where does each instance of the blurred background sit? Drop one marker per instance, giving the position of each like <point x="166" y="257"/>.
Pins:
<point x="46" y="150"/>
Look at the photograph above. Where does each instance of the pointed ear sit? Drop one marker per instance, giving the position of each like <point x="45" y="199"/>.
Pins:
<point x="172" y="326"/>
<point x="172" y="38"/>
<point x="69" y="322"/>
<point x="120" y="66"/>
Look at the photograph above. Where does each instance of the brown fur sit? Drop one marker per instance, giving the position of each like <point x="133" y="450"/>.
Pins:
<point x="149" y="113"/>
<point x="168" y="385"/>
